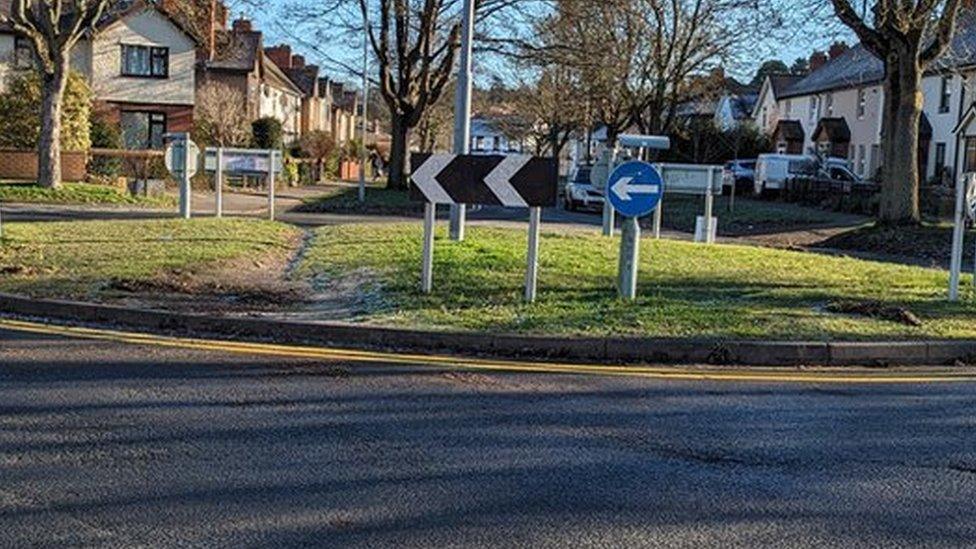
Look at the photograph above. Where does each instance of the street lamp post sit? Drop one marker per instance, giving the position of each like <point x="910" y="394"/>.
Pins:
<point x="462" y="112"/>
<point x="362" y="141"/>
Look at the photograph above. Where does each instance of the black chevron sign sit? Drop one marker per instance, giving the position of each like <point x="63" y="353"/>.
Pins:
<point x="515" y="181"/>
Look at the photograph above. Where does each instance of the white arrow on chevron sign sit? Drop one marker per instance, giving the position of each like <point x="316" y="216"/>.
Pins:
<point x="426" y="178"/>
<point x="623" y="189"/>
<point x="500" y="180"/>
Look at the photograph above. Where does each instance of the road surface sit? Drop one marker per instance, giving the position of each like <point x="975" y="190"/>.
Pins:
<point x="111" y="444"/>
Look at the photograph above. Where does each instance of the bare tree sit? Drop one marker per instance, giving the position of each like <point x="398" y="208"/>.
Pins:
<point x="908" y="36"/>
<point x="319" y="146"/>
<point x="220" y="116"/>
<point x="53" y="28"/>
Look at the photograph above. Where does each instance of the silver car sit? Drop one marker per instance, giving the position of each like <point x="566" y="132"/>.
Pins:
<point x="581" y="194"/>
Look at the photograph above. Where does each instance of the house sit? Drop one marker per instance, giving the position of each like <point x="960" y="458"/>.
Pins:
<point x="837" y="108"/>
<point x="766" y="110"/>
<point x="140" y="66"/>
<point x="242" y="64"/>
<point x="489" y="137"/>
<point x="306" y="78"/>
<point x="343" y="106"/>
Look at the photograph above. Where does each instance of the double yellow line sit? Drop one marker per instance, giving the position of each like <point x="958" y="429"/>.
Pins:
<point x="762" y="375"/>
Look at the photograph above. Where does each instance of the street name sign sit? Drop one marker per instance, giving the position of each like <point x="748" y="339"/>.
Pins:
<point x="635" y="188"/>
<point x="514" y="181"/>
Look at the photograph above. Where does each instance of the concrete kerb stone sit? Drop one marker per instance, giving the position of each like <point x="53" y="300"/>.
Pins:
<point x="611" y="350"/>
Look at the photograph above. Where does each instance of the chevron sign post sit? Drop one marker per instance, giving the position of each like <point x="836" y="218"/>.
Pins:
<point x="513" y="181"/>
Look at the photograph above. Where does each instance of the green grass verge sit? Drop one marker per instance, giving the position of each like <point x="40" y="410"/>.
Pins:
<point x="748" y="216"/>
<point x="78" y="193"/>
<point x="685" y="289"/>
<point x="379" y="201"/>
<point x="79" y="259"/>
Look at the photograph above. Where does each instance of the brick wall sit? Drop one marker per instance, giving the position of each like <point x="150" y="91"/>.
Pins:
<point x="22" y="165"/>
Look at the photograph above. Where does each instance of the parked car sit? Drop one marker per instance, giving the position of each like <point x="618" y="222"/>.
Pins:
<point x="741" y="173"/>
<point x="581" y="194"/>
<point x="774" y="170"/>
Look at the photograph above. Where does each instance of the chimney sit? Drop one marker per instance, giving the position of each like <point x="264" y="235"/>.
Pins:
<point x="280" y="54"/>
<point x="837" y="49"/>
<point x="298" y="61"/>
<point x="243" y="24"/>
<point x="817" y="60"/>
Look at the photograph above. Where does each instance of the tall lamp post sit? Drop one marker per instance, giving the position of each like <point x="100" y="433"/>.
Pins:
<point x="362" y="140"/>
<point x="462" y="112"/>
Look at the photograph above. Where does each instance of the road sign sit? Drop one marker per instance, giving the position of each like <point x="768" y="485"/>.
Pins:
<point x="515" y="181"/>
<point x="242" y="161"/>
<point x="174" y="158"/>
<point x="635" y="188"/>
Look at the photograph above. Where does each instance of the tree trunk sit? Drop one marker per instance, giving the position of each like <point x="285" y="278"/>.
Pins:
<point x="399" y="154"/>
<point x="49" y="143"/>
<point x="900" y="129"/>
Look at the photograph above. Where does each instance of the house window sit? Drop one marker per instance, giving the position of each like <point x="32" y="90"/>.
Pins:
<point x="145" y="61"/>
<point x="875" y="159"/>
<point x="861" y="160"/>
<point x="789" y="108"/>
<point x="813" y="109"/>
<point x="479" y="143"/>
<point x="862" y="100"/>
<point x="969" y="160"/>
<point x="945" y="95"/>
<point x="830" y="104"/>
<point x="23" y="53"/>
<point x="497" y="143"/>
<point x="940" y="157"/>
<point x="143" y="130"/>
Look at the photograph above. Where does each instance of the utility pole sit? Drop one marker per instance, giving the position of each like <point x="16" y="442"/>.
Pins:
<point x="462" y="112"/>
<point x="362" y="141"/>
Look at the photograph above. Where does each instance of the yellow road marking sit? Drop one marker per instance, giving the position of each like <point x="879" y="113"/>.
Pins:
<point x="781" y="375"/>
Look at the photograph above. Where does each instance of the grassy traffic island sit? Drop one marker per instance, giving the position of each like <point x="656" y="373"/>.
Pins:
<point x="369" y="273"/>
<point x="79" y="194"/>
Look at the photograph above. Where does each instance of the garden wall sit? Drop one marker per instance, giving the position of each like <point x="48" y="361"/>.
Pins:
<point x="22" y="165"/>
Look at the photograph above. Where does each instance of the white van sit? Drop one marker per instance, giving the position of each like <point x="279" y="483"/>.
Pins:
<point x="774" y="170"/>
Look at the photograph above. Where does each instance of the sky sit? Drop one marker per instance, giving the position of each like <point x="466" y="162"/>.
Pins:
<point x="787" y="47"/>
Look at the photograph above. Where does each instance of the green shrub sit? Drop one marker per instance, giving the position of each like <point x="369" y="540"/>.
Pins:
<point x="105" y="135"/>
<point x="267" y="133"/>
<point x="20" y="112"/>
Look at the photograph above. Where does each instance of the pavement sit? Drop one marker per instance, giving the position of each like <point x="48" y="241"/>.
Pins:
<point x="107" y="443"/>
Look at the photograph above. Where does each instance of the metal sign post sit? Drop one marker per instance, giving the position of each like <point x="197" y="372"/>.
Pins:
<point x="709" y="208"/>
<point x="513" y="181"/>
<point x="963" y="189"/>
<point x="608" y="218"/>
<point x="271" y="186"/>
<point x="532" y="257"/>
<point x="462" y="112"/>
<point x="181" y="159"/>
<point x="634" y="190"/>
<point x="219" y="184"/>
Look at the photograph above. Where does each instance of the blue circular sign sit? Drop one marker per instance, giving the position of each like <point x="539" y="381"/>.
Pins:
<point x="635" y="189"/>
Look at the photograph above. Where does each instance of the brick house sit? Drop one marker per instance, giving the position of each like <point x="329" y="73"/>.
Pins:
<point x="242" y="64"/>
<point x="140" y="66"/>
<point x="314" y="117"/>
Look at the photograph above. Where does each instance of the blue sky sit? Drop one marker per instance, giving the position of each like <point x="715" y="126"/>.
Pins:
<point x="276" y="30"/>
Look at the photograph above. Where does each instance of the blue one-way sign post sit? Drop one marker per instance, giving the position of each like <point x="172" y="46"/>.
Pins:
<point x="634" y="189"/>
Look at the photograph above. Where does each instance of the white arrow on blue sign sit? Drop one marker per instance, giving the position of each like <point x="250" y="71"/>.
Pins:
<point x="635" y="189"/>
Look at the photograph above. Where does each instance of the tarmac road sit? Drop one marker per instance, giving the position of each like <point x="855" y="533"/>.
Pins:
<point x="112" y="444"/>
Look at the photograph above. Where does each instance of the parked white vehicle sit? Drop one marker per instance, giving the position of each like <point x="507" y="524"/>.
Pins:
<point x="774" y="170"/>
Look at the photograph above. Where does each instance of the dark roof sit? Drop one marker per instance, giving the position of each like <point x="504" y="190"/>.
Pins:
<point x="782" y="82"/>
<point x="743" y="105"/>
<point x="836" y="129"/>
<point x="790" y="130"/>
<point x="858" y="67"/>
<point x="305" y="78"/>
<point x="239" y="51"/>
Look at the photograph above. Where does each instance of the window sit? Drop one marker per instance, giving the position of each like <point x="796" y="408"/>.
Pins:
<point x="940" y="157"/>
<point x="479" y="143"/>
<point x="145" y="61"/>
<point x="829" y="103"/>
<point x="875" y="159"/>
<point x="143" y="130"/>
<point x="23" y="53"/>
<point x="789" y="108"/>
<point x="945" y="95"/>
<point x="496" y="143"/>
<point x="813" y="109"/>
<point x="861" y="160"/>
<point x="969" y="160"/>
<point x="862" y="101"/>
